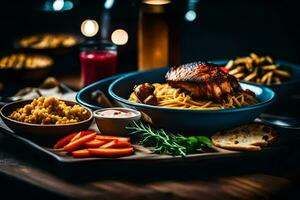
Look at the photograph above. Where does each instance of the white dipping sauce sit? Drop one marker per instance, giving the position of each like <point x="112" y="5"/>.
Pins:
<point x="116" y="113"/>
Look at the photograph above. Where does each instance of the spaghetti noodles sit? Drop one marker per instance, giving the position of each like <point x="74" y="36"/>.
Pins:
<point x="170" y="97"/>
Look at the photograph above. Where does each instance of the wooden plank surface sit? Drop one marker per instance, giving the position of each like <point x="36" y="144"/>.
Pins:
<point x="142" y="154"/>
<point x="270" y="176"/>
<point x="185" y="182"/>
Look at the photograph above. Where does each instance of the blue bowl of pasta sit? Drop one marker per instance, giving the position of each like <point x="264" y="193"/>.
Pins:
<point x="189" y="119"/>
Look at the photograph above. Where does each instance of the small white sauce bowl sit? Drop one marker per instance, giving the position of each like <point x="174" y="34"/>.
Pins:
<point x="115" y="125"/>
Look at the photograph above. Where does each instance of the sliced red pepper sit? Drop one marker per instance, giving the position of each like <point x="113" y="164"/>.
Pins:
<point x="95" y="143"/>
<point x="122" y="145"/>
<point x="109" y="138"/>
<point x="110" y="152"/>
<point x="64" y="141"/>
<point x="224" y="70"/>
<point x="81" y="134"/>
<point x="82" y="153"/>
<point x="109" y="144"/>
<point x="79" y="142"/>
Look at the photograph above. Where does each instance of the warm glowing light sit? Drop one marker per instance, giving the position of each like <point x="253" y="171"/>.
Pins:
<point x="119" y="37"/>
<point x="190" y="15"/>
<point x="89" y="28"/>
<point x="58" y="5"/>
<point x="157" y="2"/>
<point x="108" y="4"/>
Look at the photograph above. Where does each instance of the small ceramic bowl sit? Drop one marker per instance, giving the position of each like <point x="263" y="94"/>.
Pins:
<point x="115" y="125"/>
<point x="42" y="130"/>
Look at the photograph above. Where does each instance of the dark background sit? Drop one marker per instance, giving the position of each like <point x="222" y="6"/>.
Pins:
<point x="222" y="29"/>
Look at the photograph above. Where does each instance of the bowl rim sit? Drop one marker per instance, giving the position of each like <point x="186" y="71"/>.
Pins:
<point x="44" y="125"/>
<point x="138" y="113"/>
<point x="139" y="105"/>
<point x="281" y="62"/>
<point x="80" y="94"/>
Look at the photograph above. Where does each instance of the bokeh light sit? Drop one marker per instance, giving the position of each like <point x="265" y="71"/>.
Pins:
<point x="119" y="37"/>
<point x="190" y="15"/>
<point x="89" y="28"/>
<point x="157" y="2"/>
<point x="58" y="5"/>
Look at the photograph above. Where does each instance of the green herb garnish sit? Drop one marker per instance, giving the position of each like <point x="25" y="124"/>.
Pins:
<point x="165" y="142"/>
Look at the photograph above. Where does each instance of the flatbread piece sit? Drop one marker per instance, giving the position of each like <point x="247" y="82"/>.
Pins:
<point x="249" y="137"/>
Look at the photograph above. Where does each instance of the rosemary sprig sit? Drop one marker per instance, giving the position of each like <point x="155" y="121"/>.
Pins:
<point x="164" y="142"/>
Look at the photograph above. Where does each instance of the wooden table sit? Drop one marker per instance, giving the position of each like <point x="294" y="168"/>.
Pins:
<point x="25" y="172"/>
<point x="265" y="178"/>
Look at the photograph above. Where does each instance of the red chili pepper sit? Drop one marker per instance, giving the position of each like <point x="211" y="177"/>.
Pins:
<point x="224" y="70"/>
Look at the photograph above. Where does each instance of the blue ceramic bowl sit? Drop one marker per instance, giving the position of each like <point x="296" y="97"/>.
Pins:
<point x="83" y="97"/>
<point x="190" y="121"/>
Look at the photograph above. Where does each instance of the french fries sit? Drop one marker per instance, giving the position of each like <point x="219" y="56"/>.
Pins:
<point x="89" y="144"/>
<point x="282" y="73"/>
<point x="230" y="64"/>
<point x="269" y="67"/>
<point x="261" y="70"/>
<point x="265" y="77"/>
<point x="236" y="70"/>
<point x="250" y="76"/>
<point x="239" y="75"/>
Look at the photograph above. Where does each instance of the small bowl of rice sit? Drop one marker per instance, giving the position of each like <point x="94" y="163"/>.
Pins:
<point x="46" y="116"/>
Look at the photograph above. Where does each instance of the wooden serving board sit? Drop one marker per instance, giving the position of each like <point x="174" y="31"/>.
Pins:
<point x="141" y="155"/>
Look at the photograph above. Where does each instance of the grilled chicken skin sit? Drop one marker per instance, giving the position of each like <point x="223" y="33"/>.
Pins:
<point x="203" y="80"/>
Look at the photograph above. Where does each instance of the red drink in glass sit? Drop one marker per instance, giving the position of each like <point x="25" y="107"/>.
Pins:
<point x="97" y="62"/>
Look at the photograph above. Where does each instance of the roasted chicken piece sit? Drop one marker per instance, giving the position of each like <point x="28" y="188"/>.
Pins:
<point x="203" y="80"/>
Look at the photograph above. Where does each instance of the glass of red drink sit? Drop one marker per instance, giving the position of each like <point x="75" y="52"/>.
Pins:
<point x="98" y="60"/>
